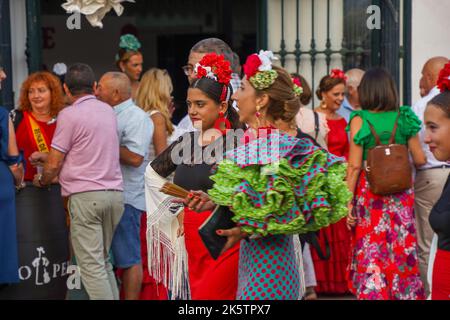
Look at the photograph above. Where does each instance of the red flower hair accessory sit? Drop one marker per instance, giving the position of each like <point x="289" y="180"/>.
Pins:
<point x="251" y="66"/>
<point x="215" y="67"/>
<point x="259" y="71"/>
<point x="297" y="82"/>
<point x="298" y="88"/>
<point x="338" y="74"/>
<point x="443" y="82"/>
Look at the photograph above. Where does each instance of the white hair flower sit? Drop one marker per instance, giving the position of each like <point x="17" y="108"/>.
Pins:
<point x="60" y="69"/>
<point x="266" y="58"/>
<point x="209" y="73"/>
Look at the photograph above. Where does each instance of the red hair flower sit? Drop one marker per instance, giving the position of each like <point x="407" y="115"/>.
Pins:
<point x="298" y="89"/>
<point x="201" y="72"/>
<point x="297" y="82"/>
<point x="251" y="66"/>
<point x="443" y="82"/>
<point x="338" y="74"/>
<point x="215" y="67"/>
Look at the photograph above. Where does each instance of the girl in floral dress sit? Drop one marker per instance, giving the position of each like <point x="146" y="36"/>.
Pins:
<point x="384" y="261"/>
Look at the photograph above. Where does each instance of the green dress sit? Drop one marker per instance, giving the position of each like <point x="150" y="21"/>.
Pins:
<point x="384" y="259"/>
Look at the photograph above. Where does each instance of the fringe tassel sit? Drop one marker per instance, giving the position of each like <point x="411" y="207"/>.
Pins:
<point x="299" y="259"/>
<point x="180" y="280"/>
<point x="167" y="257"/>
<point x="167" y="261"/>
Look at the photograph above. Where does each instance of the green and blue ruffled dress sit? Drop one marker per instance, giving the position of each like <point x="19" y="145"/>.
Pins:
<point x="278" y="186"/>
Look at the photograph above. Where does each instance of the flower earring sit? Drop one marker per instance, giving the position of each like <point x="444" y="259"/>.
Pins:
<point x="258" y="115"/>
<point x="258" y="111"/>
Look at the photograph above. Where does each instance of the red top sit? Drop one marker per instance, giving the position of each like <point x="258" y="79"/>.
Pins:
<point x="27" y="143"/>
<point x="338" y="138"/>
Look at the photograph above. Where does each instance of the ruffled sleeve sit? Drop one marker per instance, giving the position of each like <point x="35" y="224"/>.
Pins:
<point x="408" y="123"/>
<point x="302" y="192"/>
<point x="363" y="136"/>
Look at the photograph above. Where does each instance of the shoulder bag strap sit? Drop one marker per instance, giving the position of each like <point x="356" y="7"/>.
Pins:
<point x="374" y="133"/>
<point x="316" y="124"/>
<point x="313" y="240"/>
<point x="394" y="132"/>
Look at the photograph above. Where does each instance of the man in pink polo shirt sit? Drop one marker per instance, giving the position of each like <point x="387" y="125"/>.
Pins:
<point x="85" y="156"/>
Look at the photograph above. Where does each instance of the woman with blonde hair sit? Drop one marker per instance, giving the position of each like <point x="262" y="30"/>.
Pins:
<point x="154" y="97"/>
<point x="130" y="60"/>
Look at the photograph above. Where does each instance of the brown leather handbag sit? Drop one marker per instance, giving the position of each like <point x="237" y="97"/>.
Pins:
<point x="388" y="168"/>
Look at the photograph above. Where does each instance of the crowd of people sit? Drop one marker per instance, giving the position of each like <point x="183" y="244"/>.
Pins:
<point x="308" y="218"/>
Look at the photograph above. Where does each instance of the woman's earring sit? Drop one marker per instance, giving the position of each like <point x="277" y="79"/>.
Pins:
<point x="258" y="111"/>
<point x="258" y="115"/>
<point x="323" y="105"/>
<point x="222" y="124"/>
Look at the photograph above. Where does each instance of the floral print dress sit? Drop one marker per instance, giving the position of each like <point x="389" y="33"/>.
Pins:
<point x="384" y="259"/>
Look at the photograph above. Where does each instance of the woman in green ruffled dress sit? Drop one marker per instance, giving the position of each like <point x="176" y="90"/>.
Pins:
<point x="277" y="185"/>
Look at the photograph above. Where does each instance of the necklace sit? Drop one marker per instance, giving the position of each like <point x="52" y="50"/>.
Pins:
<point x="41" y="116"/>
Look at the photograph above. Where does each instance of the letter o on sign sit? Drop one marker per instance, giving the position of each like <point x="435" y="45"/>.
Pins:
<point x="24" y="273"/>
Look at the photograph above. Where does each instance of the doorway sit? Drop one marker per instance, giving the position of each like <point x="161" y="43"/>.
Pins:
<point x="166" y="29"/>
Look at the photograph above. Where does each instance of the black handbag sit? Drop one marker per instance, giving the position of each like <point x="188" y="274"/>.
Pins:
<point x="220" y="219"/>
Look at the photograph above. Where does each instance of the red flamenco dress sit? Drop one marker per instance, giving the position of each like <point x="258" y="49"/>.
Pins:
<point x="331" y="273"/>
<point x="209" y="279"/>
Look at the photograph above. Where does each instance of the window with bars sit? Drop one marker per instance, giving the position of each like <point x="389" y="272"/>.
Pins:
<point x="312" y="36"/>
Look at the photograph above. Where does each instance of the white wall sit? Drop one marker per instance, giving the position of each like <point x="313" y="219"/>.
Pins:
<point x="305" y="33"/>
<point x="18" y="45"/>
<point x="430" y="36"/>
